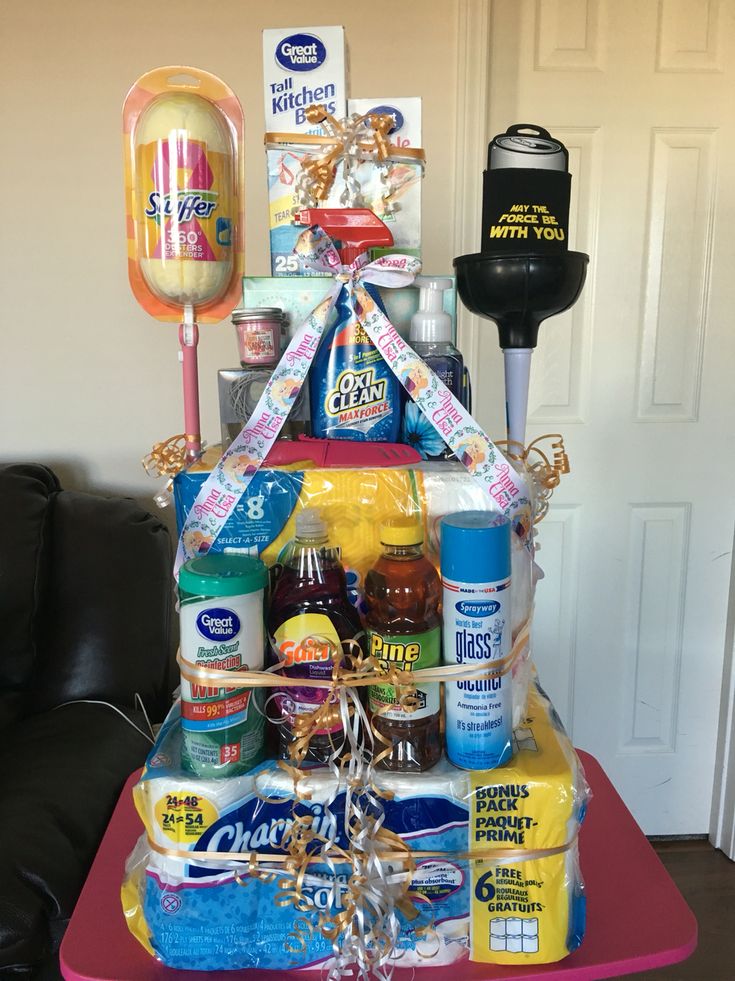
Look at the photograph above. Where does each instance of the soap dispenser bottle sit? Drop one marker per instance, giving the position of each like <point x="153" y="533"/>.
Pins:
<point x="431" y="337"/>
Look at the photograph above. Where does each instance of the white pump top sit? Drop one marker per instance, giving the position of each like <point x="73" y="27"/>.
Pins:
<point x="430" y="323"/>
<point x="310" y="526"/>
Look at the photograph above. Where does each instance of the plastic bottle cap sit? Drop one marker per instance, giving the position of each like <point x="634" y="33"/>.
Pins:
<point x="310" y="526"/>
<point x="438" y="283"/>
<point x="356" y="229"/>
<point x="475" y="546"/>
<point x="430" y="324"/>
<point x="220" y="574"/>
<point x="401" y="531"/>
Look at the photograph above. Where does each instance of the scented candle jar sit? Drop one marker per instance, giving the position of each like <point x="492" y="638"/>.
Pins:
<point x="258" y="335"/>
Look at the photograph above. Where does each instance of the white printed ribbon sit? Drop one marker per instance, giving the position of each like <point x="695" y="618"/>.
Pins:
<point x="228" y="481"/>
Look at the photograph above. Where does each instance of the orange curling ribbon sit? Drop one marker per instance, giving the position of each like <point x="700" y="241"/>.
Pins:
<point x="297" y="776"/>
<point x="296" y="940"/>
<point x="354" y="138"/>
<point x="546" y="468"/>
<point x="168" y="457"/>
<point x="359" y="920"/>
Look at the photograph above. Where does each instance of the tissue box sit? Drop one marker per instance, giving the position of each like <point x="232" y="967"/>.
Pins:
<point x="518" y="912"/>
<point x="298" y="295"/>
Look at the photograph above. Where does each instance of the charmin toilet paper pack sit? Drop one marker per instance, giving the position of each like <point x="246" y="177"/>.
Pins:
<point x="527" y="909"/>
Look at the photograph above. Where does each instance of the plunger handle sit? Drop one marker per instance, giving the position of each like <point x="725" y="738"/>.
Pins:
<point x="189" y="339"/>
<point x="517" y="361"/>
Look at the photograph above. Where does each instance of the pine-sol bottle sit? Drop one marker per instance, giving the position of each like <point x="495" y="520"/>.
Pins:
<point x="403" y="595"/>
<point x="310" y="616"/>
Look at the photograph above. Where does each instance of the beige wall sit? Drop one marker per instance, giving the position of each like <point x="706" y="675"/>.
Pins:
<point x="88" y="380"/>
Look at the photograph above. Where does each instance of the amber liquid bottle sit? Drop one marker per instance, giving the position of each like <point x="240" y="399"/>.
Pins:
<point x="403" y="595"/>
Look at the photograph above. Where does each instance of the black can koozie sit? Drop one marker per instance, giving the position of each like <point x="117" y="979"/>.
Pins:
<point x="526" y="191"/>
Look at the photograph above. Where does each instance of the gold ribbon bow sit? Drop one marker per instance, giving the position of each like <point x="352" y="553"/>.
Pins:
<point x="359" y="920"/>
<point x="348" y="141"/>
<point x="167" y="458"/>
<point x="546" y="468"/>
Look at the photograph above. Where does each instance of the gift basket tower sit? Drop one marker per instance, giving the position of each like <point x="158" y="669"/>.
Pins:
<point x="362" y="772"/>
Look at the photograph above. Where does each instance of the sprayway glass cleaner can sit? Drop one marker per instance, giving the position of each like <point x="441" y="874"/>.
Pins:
<point x="475" y="569"/>
<point x="222" y="628"/>
<point x="526" y="189"/>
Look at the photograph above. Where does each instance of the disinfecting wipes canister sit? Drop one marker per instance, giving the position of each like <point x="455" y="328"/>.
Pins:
<point x="475" y="567"/>
<point x="222" y="629"/>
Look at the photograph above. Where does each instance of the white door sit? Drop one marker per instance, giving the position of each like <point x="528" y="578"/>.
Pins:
<point x="639" y="377"/>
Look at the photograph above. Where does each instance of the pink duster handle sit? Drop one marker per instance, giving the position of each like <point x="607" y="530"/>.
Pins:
<point x="189" y="339"/>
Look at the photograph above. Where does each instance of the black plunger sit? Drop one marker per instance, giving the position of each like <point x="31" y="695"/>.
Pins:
<point x="525" y="202"/>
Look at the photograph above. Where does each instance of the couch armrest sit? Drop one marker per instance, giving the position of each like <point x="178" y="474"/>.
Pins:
<point x="26" y="493"/>
<point x="61" y="774"/>
<point x="106" y="620"/>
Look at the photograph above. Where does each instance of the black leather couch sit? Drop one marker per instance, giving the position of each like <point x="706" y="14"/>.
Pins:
<point x="85" y="613"/>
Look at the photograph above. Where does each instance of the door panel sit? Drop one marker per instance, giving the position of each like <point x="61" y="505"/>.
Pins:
<point x="630" y="622"/>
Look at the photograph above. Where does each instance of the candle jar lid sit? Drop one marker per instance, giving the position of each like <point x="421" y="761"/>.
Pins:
<point x="256" y="313"/>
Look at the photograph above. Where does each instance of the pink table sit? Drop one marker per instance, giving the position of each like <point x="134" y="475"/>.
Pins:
<point x="637" y="919"/>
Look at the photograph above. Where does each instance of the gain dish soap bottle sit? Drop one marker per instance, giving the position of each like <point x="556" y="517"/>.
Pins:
<point x="354" y="394"/>
<point x="310" y="616"/>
